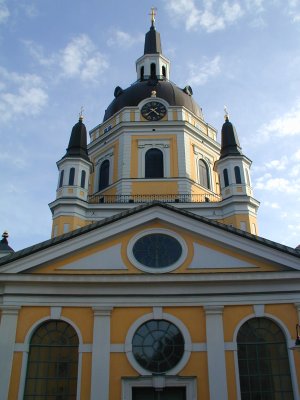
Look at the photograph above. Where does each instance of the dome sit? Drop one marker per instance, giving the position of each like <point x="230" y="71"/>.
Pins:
<point x="141" y="90"/>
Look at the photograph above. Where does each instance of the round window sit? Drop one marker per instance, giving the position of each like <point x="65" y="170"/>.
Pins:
<point x="157" y="250"/>
<point x="158" y="346"/>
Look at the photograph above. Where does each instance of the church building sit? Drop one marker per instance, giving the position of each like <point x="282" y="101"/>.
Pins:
<point x="155" y="283"/>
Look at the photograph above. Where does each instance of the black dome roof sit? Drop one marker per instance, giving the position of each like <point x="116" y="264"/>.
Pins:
<point x="141" y="90"/>
<point x="78" y="142"/>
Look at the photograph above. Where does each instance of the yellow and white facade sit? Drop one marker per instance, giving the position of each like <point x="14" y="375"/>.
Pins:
<point x="155" y="283"/>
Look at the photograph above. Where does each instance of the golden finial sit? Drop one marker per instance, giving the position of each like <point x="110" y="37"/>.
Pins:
<point x="226" y="116"/>
<point x="153" y="93"/>
<point x="81" y="113"/>
<point x="153" y="15"/>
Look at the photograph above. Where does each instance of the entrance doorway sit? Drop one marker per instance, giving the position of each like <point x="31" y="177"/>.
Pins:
<point x="149" y="393"/>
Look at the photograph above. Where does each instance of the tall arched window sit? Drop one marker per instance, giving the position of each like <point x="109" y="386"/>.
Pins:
<point x="104" y="175"/>
<point x="142" y="73"/>
<point x="154" y="164"/>
<point x="204" y="179"/>
<point x="153" y="70"/>
<point x="164" y="71"/>
<point x="82" y="182"/>
<point x="237" y="173"/>
<point x="71" y="176"/>
<point x="225" y="175"/>
<point x="52" y="362"/>
<point x="263" y="361"/>
<point x="61" y="178"/>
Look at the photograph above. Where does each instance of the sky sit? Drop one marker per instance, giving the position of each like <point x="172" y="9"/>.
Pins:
<point x="57" y="56"/>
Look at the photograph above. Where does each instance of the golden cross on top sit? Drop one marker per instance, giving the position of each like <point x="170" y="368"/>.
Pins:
<point x="153" y="15"/>
<point x="81" y="112"/>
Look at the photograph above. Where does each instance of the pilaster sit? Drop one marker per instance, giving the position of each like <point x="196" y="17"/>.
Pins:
<point x="8" y="327"/>
<point x="101" y="353"/>
<point x="216" y="353"/>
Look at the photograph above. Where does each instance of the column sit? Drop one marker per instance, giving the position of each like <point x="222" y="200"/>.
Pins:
<point x="101" y="353"/>
<point x="216" y="353"/>
<point x="8" y="327"/>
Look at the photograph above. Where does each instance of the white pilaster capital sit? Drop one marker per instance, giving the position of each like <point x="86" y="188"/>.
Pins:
<point x="103" y="311"/>
<point x="214" y="310"/>
<point x="9" y="310"/>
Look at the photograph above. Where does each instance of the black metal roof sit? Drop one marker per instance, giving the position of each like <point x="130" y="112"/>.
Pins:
<point x="230" y="145"/>
<point x="78" y="142"/>
<point x="67" y="236"/>
<point x="141" y="90"/>
<point x="152" y="42"/>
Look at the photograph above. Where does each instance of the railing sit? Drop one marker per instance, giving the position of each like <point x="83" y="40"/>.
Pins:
<point x="147" y="198"/>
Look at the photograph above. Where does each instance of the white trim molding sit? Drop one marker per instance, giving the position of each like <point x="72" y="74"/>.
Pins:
<point x="160" y="382"/>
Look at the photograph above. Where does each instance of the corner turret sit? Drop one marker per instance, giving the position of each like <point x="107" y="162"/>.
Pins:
<point x="5" y="249"/>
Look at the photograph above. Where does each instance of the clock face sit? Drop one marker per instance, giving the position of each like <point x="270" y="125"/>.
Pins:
<point x="153" y="111"/>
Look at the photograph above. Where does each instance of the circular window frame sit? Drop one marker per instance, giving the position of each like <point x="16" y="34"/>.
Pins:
<point x="164" y="316"/>
<point x="161" y="270"/>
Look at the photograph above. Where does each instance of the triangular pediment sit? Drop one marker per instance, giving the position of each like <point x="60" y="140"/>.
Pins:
<point x="106" y="248"/>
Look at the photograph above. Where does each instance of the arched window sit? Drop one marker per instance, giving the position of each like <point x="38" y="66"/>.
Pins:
<point x="225" y="175"/>
<point x="71" y="176"/>
<point x="154" y="164"/>
<point x="52" y="362"/>
<point x="142" y="73"/>
<point x="203" y="174"/>
<point x="104" y="175"/>
<point x="237" y="173"/>
<point x="164" y="72"/>
<point x="61" y="178"/>
<point x="263" y="361"/>
<point x="153" y="70"/>
<point x="82" y="182"/>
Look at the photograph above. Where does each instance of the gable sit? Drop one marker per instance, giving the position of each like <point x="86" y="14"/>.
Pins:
<point x="106" y="249"/>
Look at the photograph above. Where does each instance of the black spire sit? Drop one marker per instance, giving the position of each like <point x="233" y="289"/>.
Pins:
<point x="5" y="249"/>
<point x="230" y="145"/>
<point x="78" y="141"/>
<point x="152" y="38"/>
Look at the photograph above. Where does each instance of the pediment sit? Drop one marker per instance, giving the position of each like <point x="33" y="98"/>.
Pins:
<point x="103" y="249"/>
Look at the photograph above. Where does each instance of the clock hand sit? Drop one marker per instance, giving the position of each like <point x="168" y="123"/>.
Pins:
<point x="154" y="110"/>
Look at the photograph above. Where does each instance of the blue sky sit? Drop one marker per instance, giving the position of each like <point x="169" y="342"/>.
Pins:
<point x="56" y="56"/>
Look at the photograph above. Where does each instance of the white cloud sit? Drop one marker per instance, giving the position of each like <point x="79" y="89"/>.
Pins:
<point x="287" y="124"/>
<point x="212" y="17"/>
<point x="272" y="205"/>
<point x="278" y="165"/>
<point x="4" y="11"/>
<point x="200" y="74"/>
<point x="123" y="39"/>
<point x="79" y="59"/>
<point x="278" y="184"/>
<point x="21" y="94"/>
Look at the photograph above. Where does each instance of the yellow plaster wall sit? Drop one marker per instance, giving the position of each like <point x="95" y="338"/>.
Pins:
<point x="230" y="373"/>
<point x="83" y="318"/>
<point x="157" y="187"/>
<point x="86" y="374"/>
<point x="74" y="222"/>
<point x="28" y="316"/>
<point x="232" y="315"/>
<point x="15" y="376"/>
<point x="119" y="367"/>
<point x="193" y="318"/>
<point x="286" y="313"/>
<point x="236" y="220"/>
<point x="122" y="319"/>
<point x="198" y="366"/>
